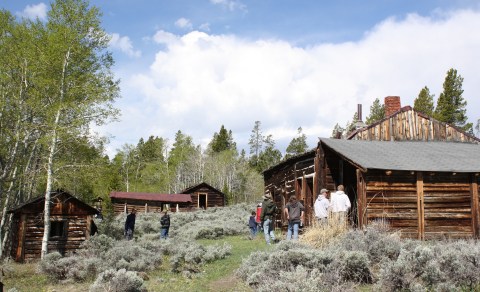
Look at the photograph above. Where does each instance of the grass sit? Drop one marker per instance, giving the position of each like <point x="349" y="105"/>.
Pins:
<point x="215" y="276"/>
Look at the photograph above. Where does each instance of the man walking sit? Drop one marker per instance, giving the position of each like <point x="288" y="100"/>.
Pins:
<point x="130" y="224"/>
<point x="340" y="205"/>
<point x="267" y="217"/>
<point x="294" y="212"/>
<point x="164" y="225"/>
<point x="321" y="207"/>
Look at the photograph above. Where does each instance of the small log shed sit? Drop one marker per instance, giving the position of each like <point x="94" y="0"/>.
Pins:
<point x="204" y="196"/>
<point x="71" y="224"/>
<point x="123" y="202"/>
<point x="293" y="176"/>
<point x="425" y="189"/>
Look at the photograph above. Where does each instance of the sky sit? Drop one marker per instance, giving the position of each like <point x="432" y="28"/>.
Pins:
<point x="196" y="65"/>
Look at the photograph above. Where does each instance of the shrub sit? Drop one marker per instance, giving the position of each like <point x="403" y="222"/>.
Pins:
<point x="118" y="281"/>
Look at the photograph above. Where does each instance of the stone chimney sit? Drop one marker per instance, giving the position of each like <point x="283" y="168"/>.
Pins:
<point x="392" y="104"/>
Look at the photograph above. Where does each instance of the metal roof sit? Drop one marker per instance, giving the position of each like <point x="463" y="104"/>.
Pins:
<point x="408" y="155"/>
<point x="171" y="198"/>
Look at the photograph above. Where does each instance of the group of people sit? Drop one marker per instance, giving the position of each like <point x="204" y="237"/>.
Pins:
<point x="130" y="225"/>
<point x="336" y="203"/>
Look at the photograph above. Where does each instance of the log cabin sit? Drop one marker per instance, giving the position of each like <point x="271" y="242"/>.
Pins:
<point x="423" y="189"/>
<point x="204" y="196"/>
<point x="123" y="202"/>
<point x="328" y="168"/>
<point x="71" y="223"/>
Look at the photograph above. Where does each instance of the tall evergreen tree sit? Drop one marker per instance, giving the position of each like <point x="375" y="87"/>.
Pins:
<point x="451" y="106"/>
<point x="337" y="132"/>
<point x="424" y="102"/>
<point x="256" y="142"/>
<point x="269" y="156"/>
<point x="223" y="140"/>
<point x="377" y="112"/>
<point x="298" y="145"/>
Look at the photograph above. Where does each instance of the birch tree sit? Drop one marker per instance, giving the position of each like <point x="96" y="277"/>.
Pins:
<point x="77" y="85"/>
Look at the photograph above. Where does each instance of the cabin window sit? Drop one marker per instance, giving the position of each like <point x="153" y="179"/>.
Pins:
<point x="57" y="228"/>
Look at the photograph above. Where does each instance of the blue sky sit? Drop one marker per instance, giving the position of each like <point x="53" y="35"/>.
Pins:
<point x="195" y="65"/>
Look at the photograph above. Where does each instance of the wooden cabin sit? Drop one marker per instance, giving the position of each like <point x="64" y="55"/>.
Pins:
<point x="71" y="224"/>
<point x="306" y="174"/>
<point x="123" y="202"/>
<point x="204" y="196"/>
<point x="424" y="189"/>
<point x="293" y="176"/>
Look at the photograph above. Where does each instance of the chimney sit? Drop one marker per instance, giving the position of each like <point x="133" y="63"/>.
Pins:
<point x="359" y="124"/>
<point x="392" y="105"/>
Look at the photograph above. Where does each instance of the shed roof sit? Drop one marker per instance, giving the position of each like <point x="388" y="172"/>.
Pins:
<point x="168" y="198"/>
<point x="408" y="155"/>
<point x="65" y="197"/>
<point x="200" y="185"/>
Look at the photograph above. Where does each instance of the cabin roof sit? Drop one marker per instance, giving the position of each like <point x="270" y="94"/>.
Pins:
<point x="41" y="199"/>
<point x="291" y="160"/>
<point x="408" y="155"/>
<point x="168" y="198"/>
<point x="203" y="184"/>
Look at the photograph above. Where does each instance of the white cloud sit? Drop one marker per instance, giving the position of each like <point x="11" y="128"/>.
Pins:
<point x="200" y="81"/>
<point x="205" y="27"/>
<point x="124" y="44"/>
<point x="183" y="23"/>
<point x="35" y="10"/>
<point x="230" y="4"/>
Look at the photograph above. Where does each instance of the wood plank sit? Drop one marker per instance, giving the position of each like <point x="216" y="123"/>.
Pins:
<point x="474" y="200"/>
<point x="420" y="206"/>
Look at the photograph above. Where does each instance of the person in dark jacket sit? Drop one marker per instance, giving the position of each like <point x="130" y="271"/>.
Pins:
<point x="294" y="212"/>
<point x="165" y="225"/>
<point x="269" y="210"/>
<point x="252" y="224"/>
<point x="130" y="224"/>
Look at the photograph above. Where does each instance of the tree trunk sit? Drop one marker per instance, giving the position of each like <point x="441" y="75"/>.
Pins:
<point x="48" y="190"/>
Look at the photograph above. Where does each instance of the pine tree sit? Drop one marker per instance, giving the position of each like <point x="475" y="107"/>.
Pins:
<point x="377" y="112"/>
<point x="223" y="140"/>
<point x="337" y="131"/>
<point x="451" y="107"/>
<point x="298" y="145"/>
<point x="424" y="102"/>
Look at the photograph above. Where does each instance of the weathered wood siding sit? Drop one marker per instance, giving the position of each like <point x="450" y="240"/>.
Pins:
<point x="120" y="205"/>
<point x="422" y="205"/>
<point x="392" y="198"/>
<point x="414" y="126"/>
<point x="213" y="198"/>
<point x="27" y="235"/>
<point x="448" y="205"/>
<point x="294" y="178"/>
<point x="75" y="235"/>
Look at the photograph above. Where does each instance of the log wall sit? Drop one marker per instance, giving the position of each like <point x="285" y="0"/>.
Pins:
<point x="295" y="178"/>
<point x="214" y="198"/>
<point x="422" y="205"/>
<point x="120" y="205"/>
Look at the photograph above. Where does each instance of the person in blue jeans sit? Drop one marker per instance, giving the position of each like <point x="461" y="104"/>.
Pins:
<point x="294" y="212"/>
<point x="165" y="225"/>
<point x="269" y="209"/>
<point x="252" y="224"/>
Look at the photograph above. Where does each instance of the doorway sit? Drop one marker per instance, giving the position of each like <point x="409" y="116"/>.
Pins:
<point x="202" y="201"/>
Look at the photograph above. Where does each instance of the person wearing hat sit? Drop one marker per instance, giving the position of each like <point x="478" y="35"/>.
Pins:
<point x="321" y="207"/>
<point x="267" y="217"/>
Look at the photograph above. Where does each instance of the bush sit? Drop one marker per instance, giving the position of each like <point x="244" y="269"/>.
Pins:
<point x="118" y="281"/>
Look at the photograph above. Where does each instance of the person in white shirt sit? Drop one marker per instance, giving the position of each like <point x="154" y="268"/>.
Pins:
<point x="340" y="204"/>
<point x="321" y="207"/>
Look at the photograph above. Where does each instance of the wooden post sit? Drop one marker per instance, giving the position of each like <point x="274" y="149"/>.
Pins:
<point x="474" y="192"/>
<point x="89" y="227"/>
<point x="361" y="200"/>
<point x="420" y="206"/>
<point x="20" y="253"/>
<point x="146" y="208"/>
